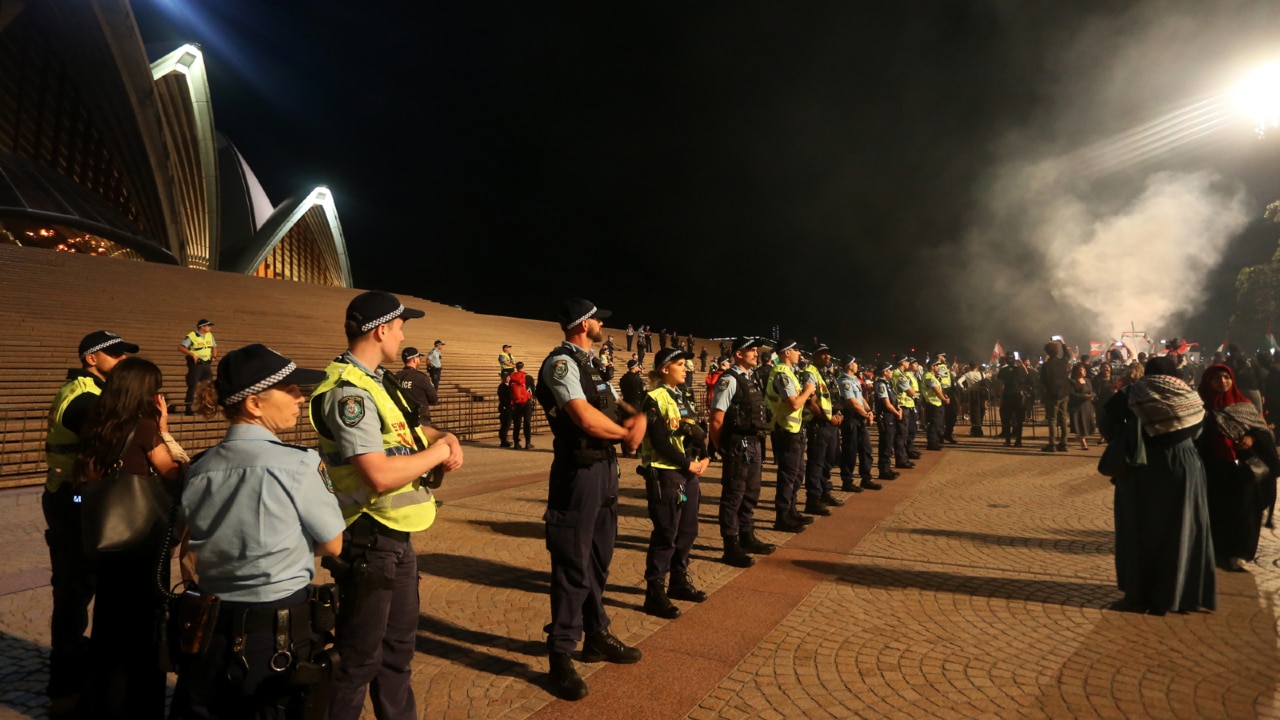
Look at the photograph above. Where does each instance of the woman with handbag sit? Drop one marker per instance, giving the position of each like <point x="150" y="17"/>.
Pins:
<point x="258" y="513"/>
<point x="1240" y="461"/>
<point x="126" y="446"/>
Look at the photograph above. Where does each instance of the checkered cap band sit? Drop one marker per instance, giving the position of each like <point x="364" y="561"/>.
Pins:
<point x="577" y="322"/>
<point x="261" y="385"/>
<point x="104" y="345"/>
<point x="382" y="320"/>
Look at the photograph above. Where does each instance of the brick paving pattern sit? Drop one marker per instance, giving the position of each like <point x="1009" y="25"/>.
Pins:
<point x="974" y="586"/>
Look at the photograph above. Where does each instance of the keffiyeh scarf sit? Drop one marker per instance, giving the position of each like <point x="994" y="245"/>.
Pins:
<point x="1165" y="404"/>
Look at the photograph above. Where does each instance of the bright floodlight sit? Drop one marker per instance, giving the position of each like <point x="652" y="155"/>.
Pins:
<point x="1258" y="97"/>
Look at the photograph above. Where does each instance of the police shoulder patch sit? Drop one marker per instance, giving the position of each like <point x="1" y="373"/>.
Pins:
<point x="560" y="370"/>
<point x="351" y="410"/>
<point x="722" y="384"/>
<point x="324" y="477"/>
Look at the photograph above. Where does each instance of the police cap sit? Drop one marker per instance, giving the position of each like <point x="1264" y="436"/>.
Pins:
<point x="409" y="353"/>
<point x="666" y="355"/>
<point x="203" y="322"/>
<point x="255" y="368"/>
<point x="370" y="309"/>
<point x="746" y="343"/>
<point x="886" y="365"/>
<point x="787" y="344"/>
<point x="578" y="310"/>
<point x="819" y="349"/>
<point x="105" y="341"/>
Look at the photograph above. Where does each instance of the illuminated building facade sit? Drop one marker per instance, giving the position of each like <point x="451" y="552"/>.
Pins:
<point x="105" y="151"/>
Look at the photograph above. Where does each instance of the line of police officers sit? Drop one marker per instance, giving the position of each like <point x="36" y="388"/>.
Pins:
<point x="380" y="462"/>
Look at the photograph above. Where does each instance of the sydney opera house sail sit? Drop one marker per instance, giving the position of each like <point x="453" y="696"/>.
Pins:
<point x="108" y="147"/>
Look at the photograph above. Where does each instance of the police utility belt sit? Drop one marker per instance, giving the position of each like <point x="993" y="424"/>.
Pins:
<point x="312" y="610"/>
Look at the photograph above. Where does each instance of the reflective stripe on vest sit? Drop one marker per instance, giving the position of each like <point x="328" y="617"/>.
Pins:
<point x="943" y="375"/>
<point x="823" y="393"/>
<point x="60" y="444"/>
<point x="409" y="508"/>
<point x="201" y="345"/>
<point x="670" y="410"/>
<point x="784" y="418"/>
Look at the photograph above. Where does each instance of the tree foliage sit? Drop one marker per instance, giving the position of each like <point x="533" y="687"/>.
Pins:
<point x="1258" y="292"/>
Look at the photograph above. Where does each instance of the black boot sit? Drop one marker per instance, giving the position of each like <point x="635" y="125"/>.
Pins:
<point x="886" y="474"/>
<point x="831" y="500"/>
<point x="815" y="507"/>
<point x="870" y="484"/>
<point x="566" y="683"/>
<point x="802" y="519"/>
<point x="849" y="487"/>
<point x="682" y="587"/>
<point x="657" y="603"/>
<point x="734" y="554"/>
<point x="748" y="542"/>
<point x="605" y="646"/>
<point x="789" y="521"/>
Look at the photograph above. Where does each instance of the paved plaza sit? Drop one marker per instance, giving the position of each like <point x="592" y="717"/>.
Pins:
<point x="973" y="586"/>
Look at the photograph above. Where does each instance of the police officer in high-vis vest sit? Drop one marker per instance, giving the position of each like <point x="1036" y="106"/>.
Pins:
<point x="942" y="370"/>
<point x="72" y="579"/>
<point x="378" y="463"/>
<point x="905" y="385"/>
<point x="259" y="511"/>
<point x="821" y="421"/>
<point x="582" y="495"/>
<point x="935" y="402"/>
<point x="737" y="425"/>
<point x="201" y="350"/>
<point x="673" y="456"/>
<point x="888" y="418"/>
<point x="787" y="398"/>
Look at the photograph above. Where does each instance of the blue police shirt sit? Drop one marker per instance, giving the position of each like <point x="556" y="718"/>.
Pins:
<point x="256" y="509"/>
<point x="850" y="389"/>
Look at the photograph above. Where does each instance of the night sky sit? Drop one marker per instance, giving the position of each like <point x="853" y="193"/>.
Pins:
<point x="720" y="168"/>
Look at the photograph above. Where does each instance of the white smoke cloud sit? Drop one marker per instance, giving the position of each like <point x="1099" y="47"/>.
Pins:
<point x="1148" y="261"/>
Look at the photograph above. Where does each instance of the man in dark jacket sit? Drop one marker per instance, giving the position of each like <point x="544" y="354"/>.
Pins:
<point x="1056" y="386"/>
<point x="1015" y="386"/>
<point x="415" y="385"/>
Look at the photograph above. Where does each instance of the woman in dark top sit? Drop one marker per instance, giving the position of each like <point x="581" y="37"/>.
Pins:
<point x="1080" y="405"/>
<point x="127" y="680"/>
<point x="1234" y="434"/>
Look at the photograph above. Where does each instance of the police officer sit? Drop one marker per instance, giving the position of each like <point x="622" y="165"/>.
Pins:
<point x="506" y="361"/>
<point x="888" y="420"/>
<point x="73" y="578"/>
<point x="672" y="458"/>
<point x="736" y="427"/>
<point x="259" y="511"/>
<point x="821" y="421"/>
<point x="935" y="402"/>
<point x="582" y="496"/>
<point x="377" y="461"/>
<point x="504" y="410"/>
<point x="787" y="399"/>
<point x="952" y="413"/>
<point x="201" y="350"/>
<point x="904" y="389"/>
<point x="416" y="385"/>
<point x="855" y="431"/>
<point x="435" y="363"/>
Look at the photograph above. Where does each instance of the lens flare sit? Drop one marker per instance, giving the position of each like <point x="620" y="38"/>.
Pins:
<point x="1257" y="97"/>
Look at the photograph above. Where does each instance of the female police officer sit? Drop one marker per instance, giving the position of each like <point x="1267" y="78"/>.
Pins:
<point x="259" y="511"/>
<point x="671" y="484"/>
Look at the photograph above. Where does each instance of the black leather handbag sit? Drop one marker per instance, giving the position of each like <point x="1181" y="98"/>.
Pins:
<point x="119" y="511"/>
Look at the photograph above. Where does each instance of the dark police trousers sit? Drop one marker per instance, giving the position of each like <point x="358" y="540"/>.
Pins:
<point x="888" y="427"/>
<point x="952" y="415"/>
<point x="675" y="522"/>
<point x="73" y="584"/>
<point x="198" y="373"/>
<point x="219" y="684"/>
<point x="789" y="449"/>
<point x="581" y="528"/>
<point x="504" y="424"/>
<point x="935" y="419"/>
<point x="522" y="416"/>
<point x="901" y="426"/>
<point x="823" y="441"/>
<point x="740" y="491"/>
<point x="912" y="416"/>
<point x="855" y="448"/>
<point x="377" y="627"/>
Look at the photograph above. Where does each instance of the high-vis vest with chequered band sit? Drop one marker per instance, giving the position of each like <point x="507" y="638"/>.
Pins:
<point x="823" y="394"/>
<point x="784" y="418"/>
<point x="201" y="345"/>
<point x="60" y="444"/>
<point x="409" y="508"/>
<point x="672" y="414"/>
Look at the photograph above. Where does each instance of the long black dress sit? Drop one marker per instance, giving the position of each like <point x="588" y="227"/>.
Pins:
<point x="1164" y="552"/>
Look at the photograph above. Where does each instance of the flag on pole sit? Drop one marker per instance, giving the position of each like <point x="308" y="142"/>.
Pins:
<point x="1095" y="348"/>
<point x="1223" y="347"/>
<point x="996" y="353"/>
